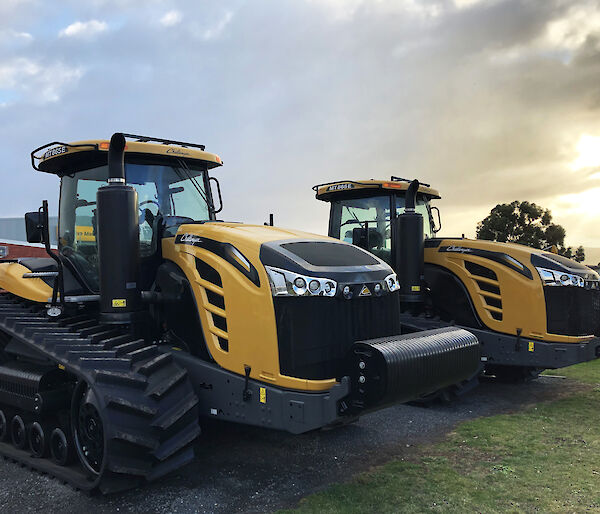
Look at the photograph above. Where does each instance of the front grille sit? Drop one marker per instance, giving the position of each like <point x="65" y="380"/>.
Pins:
<point x="315" y="333"/>
<point x="572" y="311"/>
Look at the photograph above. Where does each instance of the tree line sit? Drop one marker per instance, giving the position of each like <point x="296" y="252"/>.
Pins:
<point x="528" y="224"/>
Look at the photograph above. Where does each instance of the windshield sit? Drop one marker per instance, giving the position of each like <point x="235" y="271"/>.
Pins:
<point x="422" y="208"/>
<point x="167" y="194"/>
<point x="350" y="219"/>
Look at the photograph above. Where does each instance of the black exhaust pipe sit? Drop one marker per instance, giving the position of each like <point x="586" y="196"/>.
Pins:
<point x="409" y="249"/>
<point x="118" y="241"/>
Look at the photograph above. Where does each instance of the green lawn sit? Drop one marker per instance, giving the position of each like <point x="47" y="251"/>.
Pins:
<point x="544" y="459"/>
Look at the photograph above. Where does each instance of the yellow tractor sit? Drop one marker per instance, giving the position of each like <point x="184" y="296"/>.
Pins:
<point x="154" y="314"/>
<point x="530" y="309"/>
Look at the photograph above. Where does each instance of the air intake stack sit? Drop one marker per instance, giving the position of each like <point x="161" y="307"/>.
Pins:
<point x="118" y="240"/>
<point x="409" y="252"/>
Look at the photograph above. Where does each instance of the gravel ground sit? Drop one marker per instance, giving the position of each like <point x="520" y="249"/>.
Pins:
<point x="246" y="469"/>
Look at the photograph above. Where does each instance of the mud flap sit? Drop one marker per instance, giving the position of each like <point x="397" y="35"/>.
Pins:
<point x="401" y="368"/>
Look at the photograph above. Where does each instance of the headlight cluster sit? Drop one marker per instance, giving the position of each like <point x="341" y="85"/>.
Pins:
<point x="391" y="281"/>
<point x="558" y="278"/>
<point x="288" y="283"/>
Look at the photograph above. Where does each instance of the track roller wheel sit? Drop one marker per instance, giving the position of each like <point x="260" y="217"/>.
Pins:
<point x="88" y="429"/>
<point x="60" y="448"/>
<point x="38" y="443"/>
<point x="18" y="433"/>
<point x="3" y="426"/>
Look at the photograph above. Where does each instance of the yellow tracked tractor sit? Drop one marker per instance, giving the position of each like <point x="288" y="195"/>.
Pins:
<point x="153" y="314"/>
<point x="530" y="309"/>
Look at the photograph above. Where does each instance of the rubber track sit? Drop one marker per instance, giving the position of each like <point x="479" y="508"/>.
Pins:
<point x="147" y="403"/>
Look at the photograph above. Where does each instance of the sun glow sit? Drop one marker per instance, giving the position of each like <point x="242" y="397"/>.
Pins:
<point x="588" y="148"/>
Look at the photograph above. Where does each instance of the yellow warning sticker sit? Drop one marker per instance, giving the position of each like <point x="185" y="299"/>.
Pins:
<point x="415" y="288"/>
<point x="60" y="366"/>
<point x="84" y="233"/>
<point x="531" y="345"/>
<point x="263" y="395"/>
<point x="118" y="302"/>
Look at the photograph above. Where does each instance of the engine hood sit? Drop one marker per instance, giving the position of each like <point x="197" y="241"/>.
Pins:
<point x="508" y="253"/>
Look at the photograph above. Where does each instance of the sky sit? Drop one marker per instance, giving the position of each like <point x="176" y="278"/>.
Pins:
<point x="489" y="101"/>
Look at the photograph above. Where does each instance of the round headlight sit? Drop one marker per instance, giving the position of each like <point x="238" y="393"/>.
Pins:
<point x="300" y="283"/>
<point x="328" y="287"/>
<point x="564" y="278"/>
<point x="574" y="280"/>
<point x="347" y="292"/>
<point x="314" y="286"/>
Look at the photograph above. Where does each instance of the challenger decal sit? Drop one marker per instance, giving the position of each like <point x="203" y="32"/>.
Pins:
<point x="226" y="251"/>
<point x="498" y="257"/>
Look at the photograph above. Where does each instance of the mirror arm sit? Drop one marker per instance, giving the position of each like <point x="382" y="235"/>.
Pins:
<point x="59" y="285"/>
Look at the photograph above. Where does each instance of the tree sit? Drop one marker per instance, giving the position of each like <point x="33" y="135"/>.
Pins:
<point x="527" y="224"/>
<point x="521" y="222"/>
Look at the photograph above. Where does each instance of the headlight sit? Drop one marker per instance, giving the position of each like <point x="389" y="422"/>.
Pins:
<point x="288" y="283"/>
<point x="559" y="278"/>
<point x="391" y="281"/>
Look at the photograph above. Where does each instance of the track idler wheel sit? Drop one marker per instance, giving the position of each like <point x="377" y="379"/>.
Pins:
<point x="18" y="433"/>
<point x="61" y="450"/>
<point x="88" y="429"/>
<point x="3" y="426"/>
<point x="38" y="443"/>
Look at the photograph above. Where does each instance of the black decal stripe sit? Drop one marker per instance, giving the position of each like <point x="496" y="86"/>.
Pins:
<point x="224" y="250"/>
<point x="501" y="258"/>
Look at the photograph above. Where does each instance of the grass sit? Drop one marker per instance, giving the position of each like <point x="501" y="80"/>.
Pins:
<point x="543" y="459"/>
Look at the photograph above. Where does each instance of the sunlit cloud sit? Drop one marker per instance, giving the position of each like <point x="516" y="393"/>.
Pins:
<point x="588" y="149"/>
<point x="84" y="29"/>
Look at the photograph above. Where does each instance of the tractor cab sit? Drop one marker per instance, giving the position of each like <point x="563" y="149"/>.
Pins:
<point x="364" y="213"/>
<point x="172" y="184"/>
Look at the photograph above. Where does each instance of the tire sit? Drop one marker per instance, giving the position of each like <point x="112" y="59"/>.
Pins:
<point x="3" y="426"/>
<point x="18" y="433"/>
<point x="88" y="429"/>
<point x="38" y="443"/>
<point x="61" y="450"/>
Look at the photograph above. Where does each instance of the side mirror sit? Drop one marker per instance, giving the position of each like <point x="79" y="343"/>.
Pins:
<point x="214" y="179"/>
<point x="437" y="225"/>
<point x="34" y="226"/>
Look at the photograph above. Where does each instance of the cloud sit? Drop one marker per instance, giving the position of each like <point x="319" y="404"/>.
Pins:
<point x="171" y="18"/>
<point x="486" y="100"/>
<point x="84" y="29"/>
<point x="216" y="30"/>
<point x="38" y="83"/>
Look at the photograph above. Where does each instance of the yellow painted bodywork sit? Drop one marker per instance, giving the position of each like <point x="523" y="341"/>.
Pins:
<point x="523" y="303"/>
<point x="11" y="280"/>
<point x="344" y="186"/>
<point x="101" y="145"/>
<point x="251" y="328"/>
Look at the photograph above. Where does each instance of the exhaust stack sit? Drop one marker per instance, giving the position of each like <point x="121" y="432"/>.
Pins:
<point x="118" y="240"/>
<point x="409" y="250"/>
